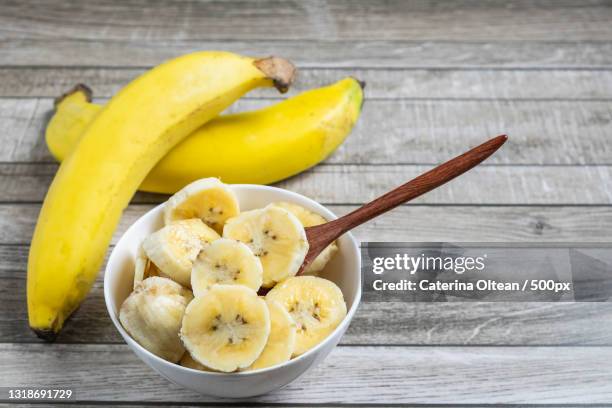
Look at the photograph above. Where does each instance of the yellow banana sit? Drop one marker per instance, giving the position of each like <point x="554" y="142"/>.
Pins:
<point x="73" y="112"/>
<point x="260" y="147"/>
<point x="114" y="154"/>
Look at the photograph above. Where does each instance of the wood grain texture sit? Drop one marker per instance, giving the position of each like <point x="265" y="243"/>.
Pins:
<point x="320" y="236"/>
<point x="357" y="184"/>
<point x="410" y="223"/>
<point x="403" y="131"/>
<point x="392" y="323"/>
<point x="39" y="53"/>
<point x="311" y="20"/>
<point x="225" y="404"/>
<point x="430" y="83"/>
<point x="351" y="375"/>
<point x="441" y="77"/>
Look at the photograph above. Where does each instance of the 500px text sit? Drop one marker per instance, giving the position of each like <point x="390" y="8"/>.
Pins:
<point x="481" y="284"/>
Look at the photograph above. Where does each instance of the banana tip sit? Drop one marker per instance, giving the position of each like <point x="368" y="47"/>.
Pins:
<point x="361" y="83"/>
<point x="362" y="86"/>
<point x="45" y="334"/>
<point x="279" y="70"/>
<point x="82" y="88"/>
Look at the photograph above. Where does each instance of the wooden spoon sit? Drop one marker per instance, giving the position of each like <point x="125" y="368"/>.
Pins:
<point x="320" y="236"/>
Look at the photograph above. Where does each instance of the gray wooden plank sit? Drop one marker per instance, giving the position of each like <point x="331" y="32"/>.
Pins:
<point x="411" y="223"/>
<point x="221" y="404"/>
<point x="318" y="20"/>
<point x="390" y="323"/>
<point x="351" y="375"/>
<point x="381" y="83"/>
<point x="356" y="184"/>
<point x="403" y="131"/>
<point x="135" y="404"/>
<point x="404" y="53"/>
<point x="499" y="184"/>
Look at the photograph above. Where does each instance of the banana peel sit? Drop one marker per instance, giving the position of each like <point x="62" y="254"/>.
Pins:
<point x="115" y="152"/>
<point x="258" y="147"/>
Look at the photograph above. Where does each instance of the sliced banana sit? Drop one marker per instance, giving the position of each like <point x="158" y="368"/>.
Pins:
<point x="316" y="305"/>
<point x="152" y="315"/>
<point x="281" y="341"/>
<point x="143" y="267"/>
<point x="189" y="362"/>
<point x="275" y="236"/>
<point x="226" y="261"/>
<point x="207" y="199"/>
<point x="227" y="328"/>
<point x="174" y="248"/>
<point x="310" y="219"/>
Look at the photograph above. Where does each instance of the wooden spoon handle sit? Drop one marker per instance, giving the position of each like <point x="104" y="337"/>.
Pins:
<point x="322" y="235"/>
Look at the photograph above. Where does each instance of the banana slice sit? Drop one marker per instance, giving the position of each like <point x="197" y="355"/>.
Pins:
<point x="143" y="267"/>
<point x="207" y="199"/>
<point x="316" y="305"/>
<point x="227" y="328"/>
<point x="174" y="248"/>
<point x="310" y="219"/>
<point x="226" y="261"/>
<point x="152" y="315"/>
<point x="189" y="362"/>
<point x="281" y="341"/>
<point x="275" y="236"/>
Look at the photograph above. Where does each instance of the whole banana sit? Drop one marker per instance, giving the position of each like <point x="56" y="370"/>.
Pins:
<point x="259" y="147"/>
<point x="116" y="150"/>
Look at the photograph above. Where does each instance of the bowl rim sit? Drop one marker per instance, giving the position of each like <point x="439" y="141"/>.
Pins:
<point x="315" y="350"/>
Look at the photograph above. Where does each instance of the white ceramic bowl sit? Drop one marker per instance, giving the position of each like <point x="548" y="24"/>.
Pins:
<point x="344" y="269"/>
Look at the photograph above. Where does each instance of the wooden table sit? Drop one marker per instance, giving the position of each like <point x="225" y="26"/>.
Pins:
<point x="442" y="76"/>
